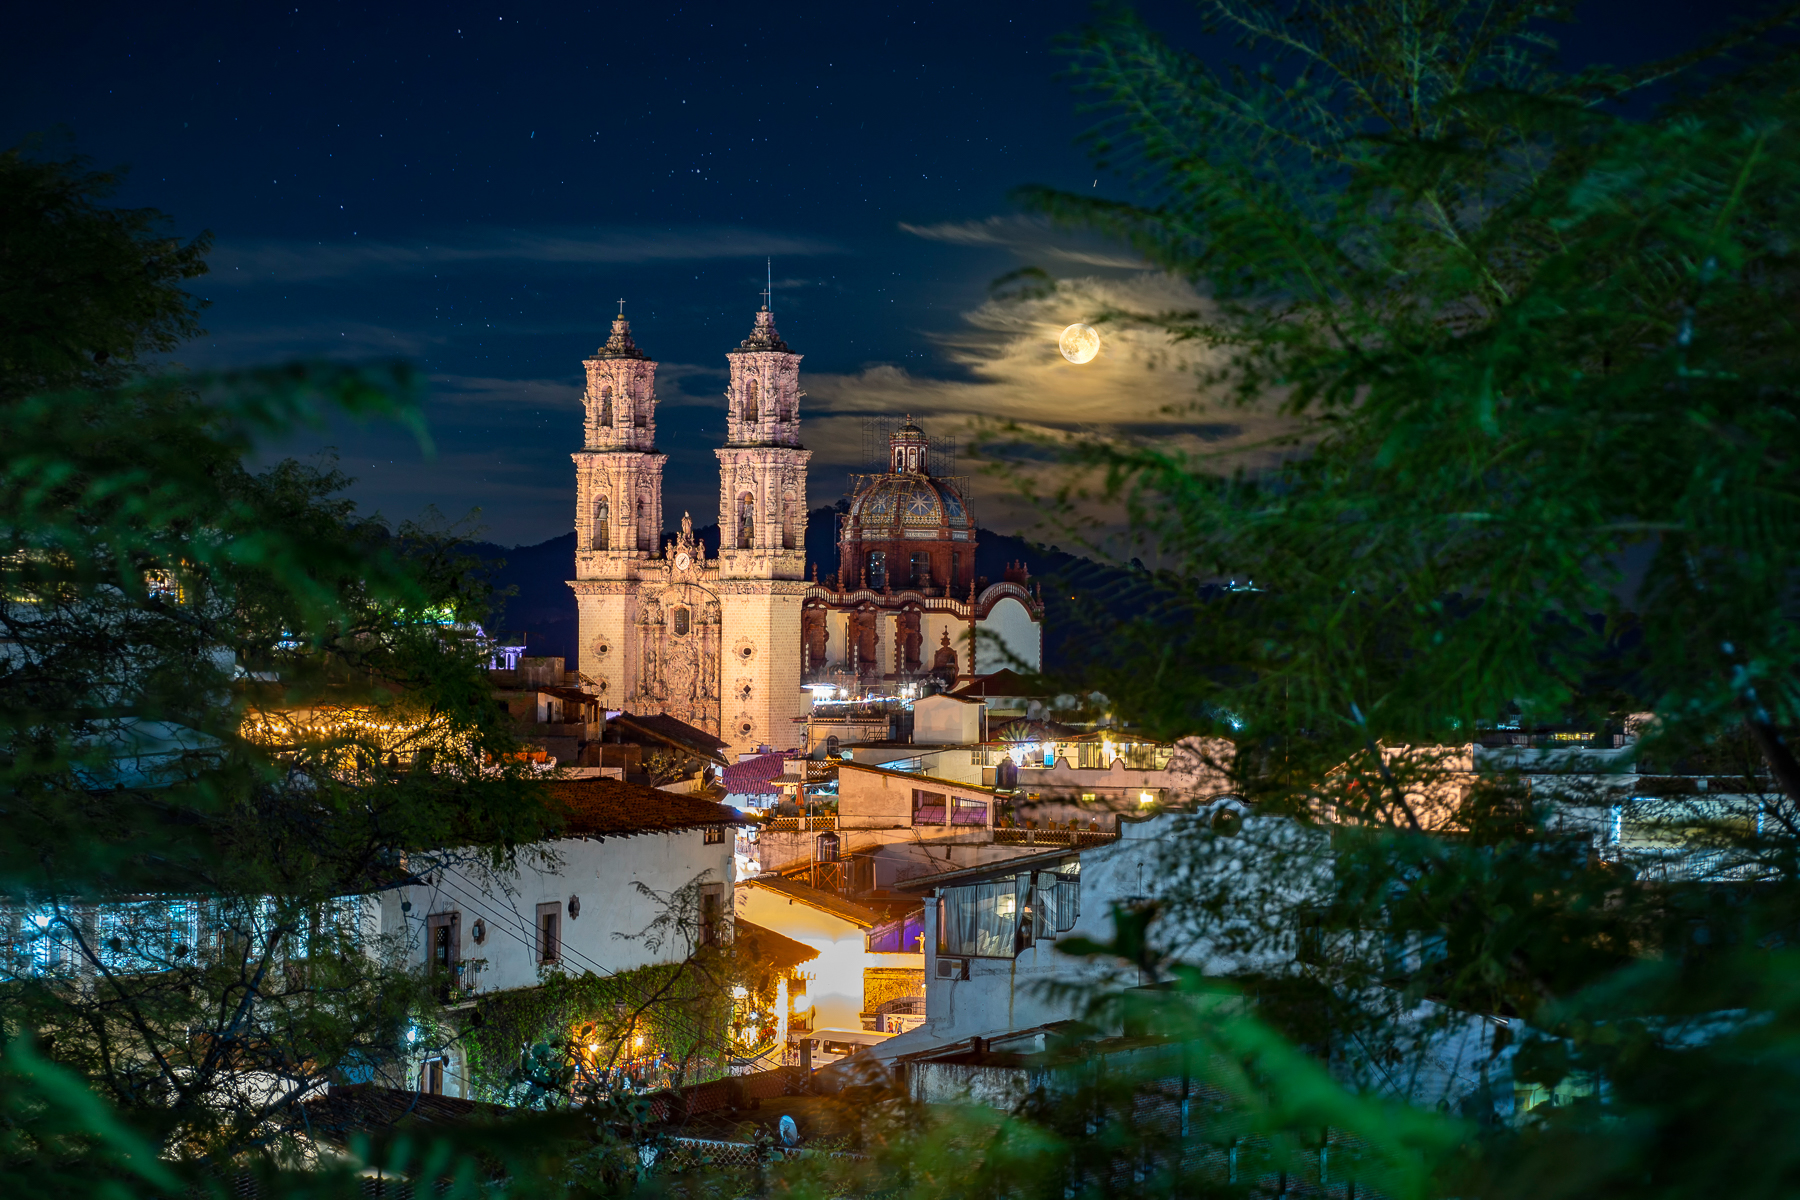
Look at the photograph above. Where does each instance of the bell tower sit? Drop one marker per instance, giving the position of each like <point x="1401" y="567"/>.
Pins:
<point x="618" y="507"/>
<point x="762" y="541"/>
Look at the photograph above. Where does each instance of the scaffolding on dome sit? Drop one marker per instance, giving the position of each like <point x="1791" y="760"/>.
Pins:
<point x="878" y="431"/>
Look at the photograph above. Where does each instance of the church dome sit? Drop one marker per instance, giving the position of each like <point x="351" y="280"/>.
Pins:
<point x="887" y="504"/>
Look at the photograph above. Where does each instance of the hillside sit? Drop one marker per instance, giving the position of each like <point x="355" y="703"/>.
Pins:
<point x="1081" y="596"/>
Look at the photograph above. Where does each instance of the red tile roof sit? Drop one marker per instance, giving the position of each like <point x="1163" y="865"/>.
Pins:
<point x="762" y="945"/>
<point x="1004" y="682"/>
<point x="362" y="1108"/>
<point x="614" y="808"/>
<point x="756" y="776"/>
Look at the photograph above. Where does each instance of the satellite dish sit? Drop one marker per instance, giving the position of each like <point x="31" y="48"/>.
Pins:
<point x="790" y="1132"/>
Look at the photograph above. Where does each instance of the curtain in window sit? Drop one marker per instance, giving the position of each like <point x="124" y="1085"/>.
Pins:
<point x="981" y="919"/>
<point x="1058" y="902"/>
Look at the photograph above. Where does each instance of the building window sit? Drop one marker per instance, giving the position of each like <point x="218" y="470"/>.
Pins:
<point x="921" y="570"/>
<point x="640" y="416"/>
<point x="1057" y="903"/>
<point x="750" y="415"/>
<point x="831" y="745"/>
<point x="928" y="807"/>
<point x="983" y="920"/>
<point x="903" y="935"/>
<point x="715" y="835"/>
<point x="431" y="1076"/>
<point x="712" y="914"/>
<point x="549" y="932"/>
<point x="602" y="514"/>
<point x="643" y="527"/>
<point x="442" y="935"/>
<point x="1000" y="918"/>
<point x="878" y="569"/>
<point x="788" y="510"/>
<point x="969" y="812"/>
<point x="681" y="620"/>
<point x="606" y="406"/>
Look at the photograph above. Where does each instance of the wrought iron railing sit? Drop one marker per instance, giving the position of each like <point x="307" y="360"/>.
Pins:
<point x="818" y="823"/>
<point x="1074" y="838"/>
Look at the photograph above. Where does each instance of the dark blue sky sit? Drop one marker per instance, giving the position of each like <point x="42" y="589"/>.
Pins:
<point x="472" y="187"/>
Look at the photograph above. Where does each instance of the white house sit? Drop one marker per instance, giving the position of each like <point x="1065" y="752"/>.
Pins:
<point x="990" y="932"/>
<point x="868" y="968"/>
<point x="573" y="904"/>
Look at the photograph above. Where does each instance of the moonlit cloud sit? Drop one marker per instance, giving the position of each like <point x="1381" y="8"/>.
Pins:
<point x="1016" y="389"/>
<point x="291" y="261"/>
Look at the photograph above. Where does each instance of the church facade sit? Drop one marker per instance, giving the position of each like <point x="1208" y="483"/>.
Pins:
<point x="729" y="643"/>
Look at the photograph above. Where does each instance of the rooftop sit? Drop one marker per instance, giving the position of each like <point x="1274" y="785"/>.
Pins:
<point x="1005" y="682"/>
<point x="764" y="945"/>
<point x="826" y="902"/>
<point x="613" y="808"/>
<point x="345" y="1111"/>
<point x="664" y="728"/>
<point x="756" y="776"/>
<point x="988" y="870"/>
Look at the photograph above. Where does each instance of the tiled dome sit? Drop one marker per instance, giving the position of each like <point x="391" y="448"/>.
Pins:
<point x="887" y="502"/>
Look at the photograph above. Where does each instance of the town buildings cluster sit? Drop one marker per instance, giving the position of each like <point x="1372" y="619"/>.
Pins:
<point x="837" y="774"/>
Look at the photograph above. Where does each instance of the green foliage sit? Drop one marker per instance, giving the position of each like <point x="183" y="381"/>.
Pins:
<point x="1536" y="364"/>
<point x="229" y="704"/>
<point x="86" y="292"/>
<point x="532" y="1046"/>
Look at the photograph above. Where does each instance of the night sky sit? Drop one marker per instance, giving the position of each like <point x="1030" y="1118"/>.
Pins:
<point x="473" y="187"/>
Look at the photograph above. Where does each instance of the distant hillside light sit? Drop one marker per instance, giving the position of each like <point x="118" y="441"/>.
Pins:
<point x="1079" y="343"/>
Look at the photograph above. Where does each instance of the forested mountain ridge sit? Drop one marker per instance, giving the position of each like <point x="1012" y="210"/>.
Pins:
<point x="1078" y="592"/>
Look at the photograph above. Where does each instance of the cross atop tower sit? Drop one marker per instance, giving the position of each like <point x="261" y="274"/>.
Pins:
<point x="621" y="306"/>
<point x="768" y="294"/>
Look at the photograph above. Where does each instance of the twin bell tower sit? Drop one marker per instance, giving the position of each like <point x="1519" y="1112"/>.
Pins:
<point x="714" y="643"/>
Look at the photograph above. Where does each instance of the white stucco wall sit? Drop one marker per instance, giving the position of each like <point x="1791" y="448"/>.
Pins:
<point x="1003" y="994"/>
<point x="835" y="990"/>
<point x="1018" y="633"/>
<point x="602" y="873"/>
<point x="942" y="720"/>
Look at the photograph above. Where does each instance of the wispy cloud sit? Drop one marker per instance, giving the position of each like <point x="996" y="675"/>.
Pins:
<point x="1032" y="238"/>
<point x="238" y="343"/>
<point x="293" y="261"/>
<point x="461" y="390"/>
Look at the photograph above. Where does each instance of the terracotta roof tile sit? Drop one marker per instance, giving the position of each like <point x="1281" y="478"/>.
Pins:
<point x="345" y="1111"/>
<point x="763" y="945"/>
<point x="755" y="776"/>
<point x="614" y="808"/>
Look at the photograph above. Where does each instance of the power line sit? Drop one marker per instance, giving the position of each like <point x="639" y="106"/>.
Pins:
<point x="529" y="943"/>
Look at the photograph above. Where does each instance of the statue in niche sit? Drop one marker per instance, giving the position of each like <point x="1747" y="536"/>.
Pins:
<point x="944" y="664"/>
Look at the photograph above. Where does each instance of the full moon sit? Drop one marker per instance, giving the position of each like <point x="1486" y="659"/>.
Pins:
<point x="1079" y="343"/>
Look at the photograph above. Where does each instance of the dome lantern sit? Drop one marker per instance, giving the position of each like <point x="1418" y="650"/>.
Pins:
<point x="907" y="450"/>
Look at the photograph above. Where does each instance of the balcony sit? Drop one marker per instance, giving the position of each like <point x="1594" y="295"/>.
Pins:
<point x="819" y="823"/>
<point x="1075" y="839"/>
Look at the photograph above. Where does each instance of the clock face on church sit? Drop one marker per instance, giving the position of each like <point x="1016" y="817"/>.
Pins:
<point x="682" y="561"/>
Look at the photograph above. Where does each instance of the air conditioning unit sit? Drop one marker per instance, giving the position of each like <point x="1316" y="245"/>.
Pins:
<point x="952" y="968"/>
